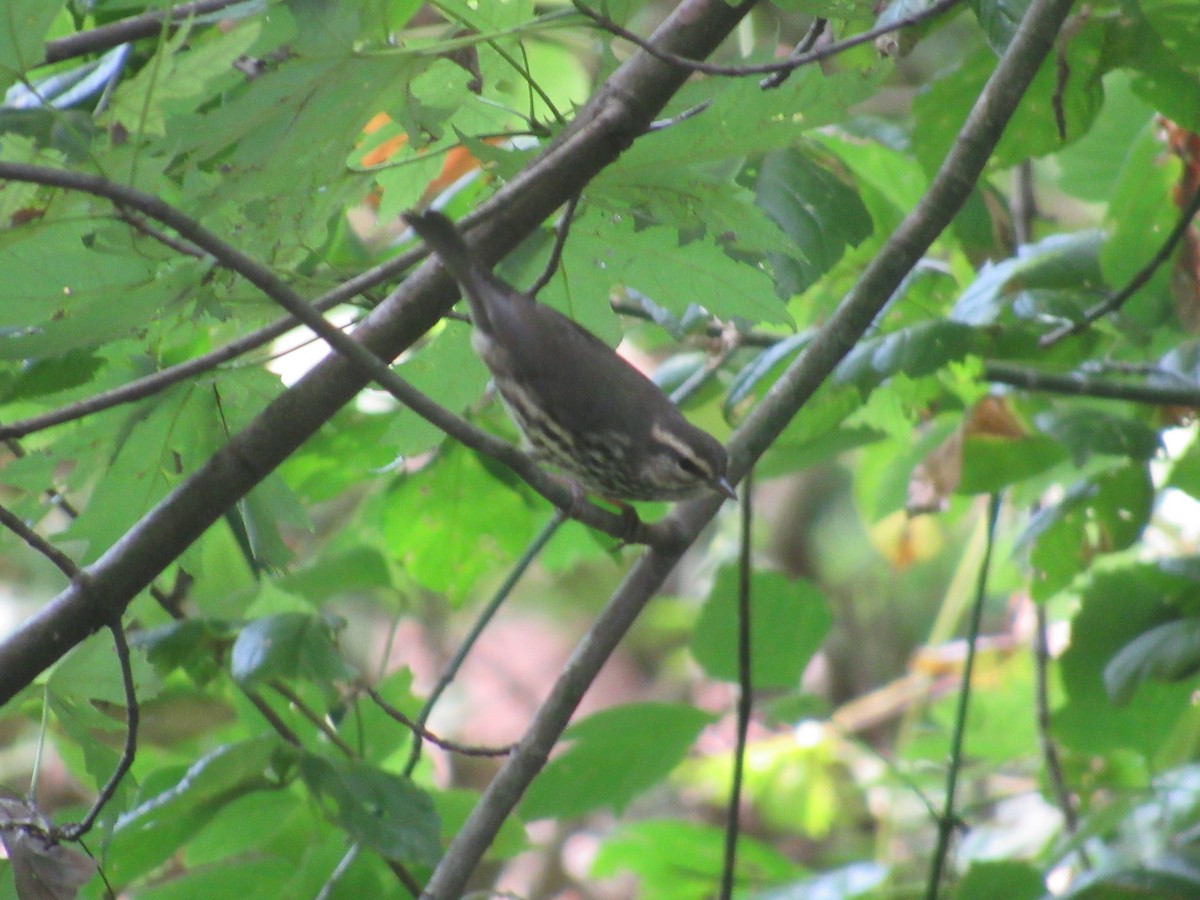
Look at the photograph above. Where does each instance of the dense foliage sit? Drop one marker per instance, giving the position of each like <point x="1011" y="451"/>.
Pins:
<point x="972" y="572"/>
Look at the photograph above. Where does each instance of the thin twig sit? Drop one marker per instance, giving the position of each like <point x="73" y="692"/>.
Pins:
<point x="128" y="751"/>
<point x="172" y="601"/>
<point x="1023" y="204"/>
<point x="311" y="715"/>
<point x="68" y="567"/>
<point x="485" y="616"/>
<point x="531" y="82"/>
<point x="815" y="30"/>
<point x="105" y="37"/>
<point x="560" y="241"/>
<point x="712" y="328"/>
<point x="273" y="719"/>
<point x="1054" y="772"/>
<point x="339" y="870"/>
<point x="703" y="375"/>
<point x="140" y="224"/>
<point x="52" y="493"/>
<point x="17" y="526"/>
<point x="948" y="820"/>
<point x="1081" y="385"/>
<point x="404" y="876"/>
<point x="788" y="65"/>
<point x="1136" y="283"/>
<point x="424" y="734"/>
<point x="669" y="121"/>
<point x="745" y="702"/>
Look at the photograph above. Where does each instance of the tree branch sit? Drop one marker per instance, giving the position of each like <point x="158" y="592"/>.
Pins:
<point x="745" y="700"/>
<point x="782" y="67"/>
<point x="947" y="192"/>
<point x="948" y="820"/>
<point x="1081" y="385"/>
<point x="621" y="110"/>
<point x="105" y="37"/>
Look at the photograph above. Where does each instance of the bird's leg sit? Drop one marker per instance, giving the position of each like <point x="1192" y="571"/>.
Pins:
<point x="631" y="522"/>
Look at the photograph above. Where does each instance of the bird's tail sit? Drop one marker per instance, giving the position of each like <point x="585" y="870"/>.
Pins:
<point x="444" y="238"/>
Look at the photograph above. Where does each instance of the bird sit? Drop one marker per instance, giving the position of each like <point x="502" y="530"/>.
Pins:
<point x="580" y="406"/>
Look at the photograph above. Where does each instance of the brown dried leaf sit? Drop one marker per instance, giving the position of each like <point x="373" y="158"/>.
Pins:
<point x="42" y="869"/>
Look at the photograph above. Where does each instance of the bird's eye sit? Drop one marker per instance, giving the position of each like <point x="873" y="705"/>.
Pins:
<point x="689" y="466"/>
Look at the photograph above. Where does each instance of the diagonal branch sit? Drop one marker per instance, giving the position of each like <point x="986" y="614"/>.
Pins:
<point x="947" y="192"/>
<point x="619" y="112"/>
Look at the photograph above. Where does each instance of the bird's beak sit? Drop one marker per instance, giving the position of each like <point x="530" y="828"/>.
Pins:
<point x="724" y="487"/>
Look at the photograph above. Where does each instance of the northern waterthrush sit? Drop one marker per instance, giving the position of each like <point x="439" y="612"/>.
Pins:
<point x="581" y="406"/>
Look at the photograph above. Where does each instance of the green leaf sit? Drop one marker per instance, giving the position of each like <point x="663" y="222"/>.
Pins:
<point x="173" y="804"/>
<point x="1138" y="218"/>
<point x="744" y="120"/>
<point x="1090" y="167"/>
<point x="190" y="644"/>
<point x="816" y="209"/>
<point x="77" y="284"/>
<point x="267" y="507"/>
<point x="614" y="756"/>
<point x="453" y="808"/>
<point x="40" y="377"/>
<point x="1000" y="880"/>
<point x="819" y="432"/>
<point x="762" y="371"/>
<point x="339" y="572"/>
<point x="1060" y="265"/>
<point x="693" y="202"/>
<point x="990" y="463"/>
<point x="920" y="350"/>
<point x="1087" y="431"/>
<point x="1102" y="514"/>
<point x="351" y="448"/>
<point x="674" y="275"/>
<point x="942" y="109"/>
<point x="1185" y="474"/>
<point x="231" y="878"/>
<point x="999" y="20"/>
<point x="91" y="671"/>
<point x="384" y="811"/>
<point x="1116" y="608"/>
<point x="652" y="850"/>
<point x="142" y="103"/>
<point x="432" y="522"/>
<point x="165" y="443"/>
<point x="789" y="621"/>
<point x="1160" y="37"/>
<point x="1166" y="652"/>
<point x="289" y="646"/>
<point x="23" y="25"/>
